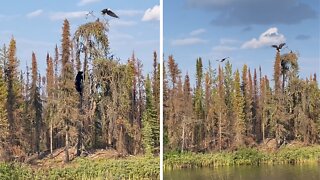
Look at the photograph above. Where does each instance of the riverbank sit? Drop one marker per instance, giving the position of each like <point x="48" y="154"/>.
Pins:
<point x="84" y="168"/>
<point x="245" y="156"/>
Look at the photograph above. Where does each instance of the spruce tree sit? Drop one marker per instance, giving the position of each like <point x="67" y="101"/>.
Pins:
<point x="12" y="92"/>
<point x="36" y="104"/>
<point x="4" y="124"/>
<point x="151" y="131"/>
<point x="239" y="118"/>
<point x="221" y="109"/>
<point x="246" y="91"/>
<point x="67" y="96"/>
<point x="50" y="105"/>
<point x="277" y="73"/>
<point x="187" y="113"/>
<point x="199" y="105"/>
<point x="156" y="83"/>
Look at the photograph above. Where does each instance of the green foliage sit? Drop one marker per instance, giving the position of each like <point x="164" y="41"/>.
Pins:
<point x="198" y="97"/>
<point x="277" y="72"/>
<point x="229" y="111"/>
<point x="132" y="168"/>
<point x="4" y="126"/>
<point x="93" y="35"/>
<point x="245" y="156"/>
<point x="148" y="142"/>
<point x="238" y="103"/>
<point x="15" y="171"/>
<point x="150" y="130"/>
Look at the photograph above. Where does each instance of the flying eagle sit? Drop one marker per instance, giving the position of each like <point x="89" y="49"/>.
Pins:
<point x="223" y="59"/>
<point x="278" y="47"/>
<point x="109" y="12"/>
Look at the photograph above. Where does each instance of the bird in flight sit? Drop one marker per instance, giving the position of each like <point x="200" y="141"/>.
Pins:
<point x="278" y="47"/>
<point x="109" y="12"/>
<point x="223" y="59"/>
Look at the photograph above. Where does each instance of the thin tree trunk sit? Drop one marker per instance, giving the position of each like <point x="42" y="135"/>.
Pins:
<point x="283" y="82"/>
<point x="213" y="135"/>
<point x="263" y="132"/>
<point x="220" y="132"/>
<point x="51" y="138"/>
<point x="37" y="134"/>
<point x="79" y="143"/>
<point x="183" y="134"/>
<point x="79" y="128"/>
<point x="110" y="129"/>
<point x="66" y="150"/>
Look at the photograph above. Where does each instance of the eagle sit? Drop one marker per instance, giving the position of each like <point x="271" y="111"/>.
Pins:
<point x="109" y="12"/>
<point x="223" y="59"/>
<point x="278" y="47"/>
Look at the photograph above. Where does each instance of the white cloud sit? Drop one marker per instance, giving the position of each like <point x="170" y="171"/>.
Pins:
<point x="197" y="32"/>
<point x="227" y="41"/>
<point x="152" y="14"/>
<point x="221" y="49"/>
<point x="152" y="43"/>
<point x="35" y="13"/>
<point x="225" y="47"/>
<point x="269" y="37"/>
<point x="188" y="41"/>
<point x="68" y="15"/>
<point x="129" y="13"/>
<point x="85" y="2"/>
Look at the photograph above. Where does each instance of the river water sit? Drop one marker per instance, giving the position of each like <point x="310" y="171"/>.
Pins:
<point x="263" y="172"/>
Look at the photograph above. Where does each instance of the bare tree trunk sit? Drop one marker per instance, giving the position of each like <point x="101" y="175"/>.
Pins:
<point x="283" y="81"/>
<point x="213" y="135"/>
<point x="79" y="140"/>
<point x="183" y="134"/>
<point x="220" y="133"/>
<point x="51" y="138"/>
<point x="79" y="128"/>
<point x="103" y="120"/>
<point x="66" y="150"/>
<point x="137" y="138"/>
<point x="263" y="131"/>
<point x="90" y="119"/>
<point x="110" y="134"/>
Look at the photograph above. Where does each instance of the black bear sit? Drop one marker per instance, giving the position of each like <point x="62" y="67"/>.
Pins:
<point x="79" y="81"/>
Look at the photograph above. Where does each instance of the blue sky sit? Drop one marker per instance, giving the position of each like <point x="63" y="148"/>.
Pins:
<point x="36" y="25"/>
<point x="242" y="30"/>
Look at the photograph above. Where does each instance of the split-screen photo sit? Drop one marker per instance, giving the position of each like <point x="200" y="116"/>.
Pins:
<point x="79" y="90"/>
<point x="241" y="89"/>
<point x="159" y="89"/>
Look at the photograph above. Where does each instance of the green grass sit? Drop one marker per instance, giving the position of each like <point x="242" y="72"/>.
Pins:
<point x="245" y="156"/>
<point x="131" y="168"/>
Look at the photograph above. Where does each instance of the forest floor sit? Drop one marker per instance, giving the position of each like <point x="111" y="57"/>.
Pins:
<point x="56" y="160"/>
<point x="98" y="164"/>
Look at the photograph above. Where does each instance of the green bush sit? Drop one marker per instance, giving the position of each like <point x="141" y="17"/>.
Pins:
<point x="245" y="156"/>
<point x="132" y="168"/>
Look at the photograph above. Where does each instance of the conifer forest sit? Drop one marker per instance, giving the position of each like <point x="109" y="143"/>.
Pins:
<point x="229" y="109"/>
<point x="153" y="90"/>
<point x="87" y="102"/>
